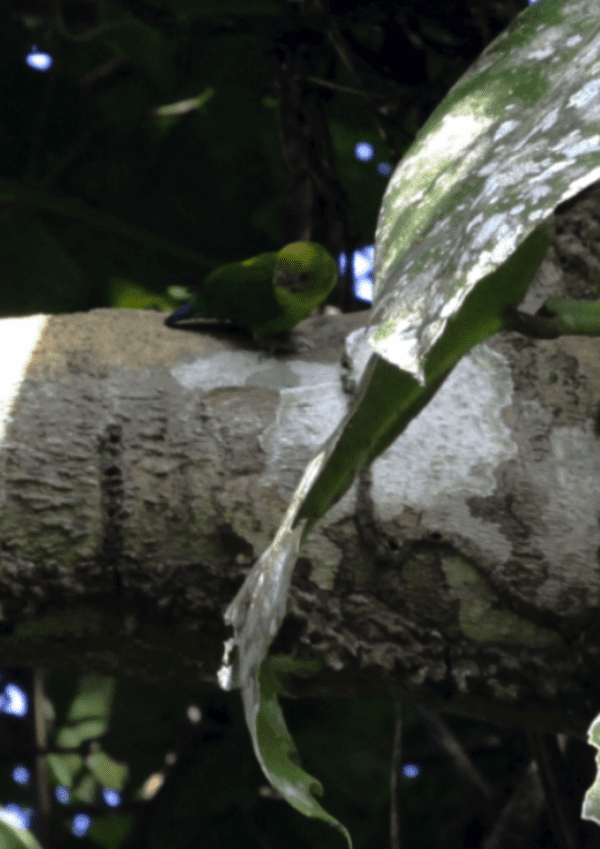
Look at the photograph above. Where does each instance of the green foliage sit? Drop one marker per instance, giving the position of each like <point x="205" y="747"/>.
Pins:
<point x="153" y="185"/>
<point x="151" y="153"/>
<point x="87" y="719"/>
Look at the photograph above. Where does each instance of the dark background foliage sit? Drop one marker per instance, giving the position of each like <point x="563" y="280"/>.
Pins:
<point x="93" y="175"/>
<point x="109" y="193"/>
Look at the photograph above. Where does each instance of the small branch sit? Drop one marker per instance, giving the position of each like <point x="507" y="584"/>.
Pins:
<point x="395" y="838"/>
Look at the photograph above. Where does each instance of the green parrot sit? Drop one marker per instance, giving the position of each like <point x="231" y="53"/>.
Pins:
<point x="267" y="294"/>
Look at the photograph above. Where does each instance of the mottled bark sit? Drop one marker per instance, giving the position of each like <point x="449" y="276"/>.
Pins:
<point x="144" y="468"/>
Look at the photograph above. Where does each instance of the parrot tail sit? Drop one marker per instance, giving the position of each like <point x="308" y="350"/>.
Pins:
<point x="181" y="312"/>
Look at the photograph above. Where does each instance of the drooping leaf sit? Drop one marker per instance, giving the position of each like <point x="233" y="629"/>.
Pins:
<point x="278" y="756"/>
<point x="463" y="226"/>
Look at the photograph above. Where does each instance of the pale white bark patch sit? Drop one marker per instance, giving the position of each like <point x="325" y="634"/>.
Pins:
<point x="18" y="340"/>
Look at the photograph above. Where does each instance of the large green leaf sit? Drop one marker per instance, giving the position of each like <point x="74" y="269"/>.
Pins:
<point x="464" y="224"/>
<point x="515" y="137"/>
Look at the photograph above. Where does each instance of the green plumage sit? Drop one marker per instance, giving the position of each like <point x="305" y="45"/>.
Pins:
<point x="267" y="294"/>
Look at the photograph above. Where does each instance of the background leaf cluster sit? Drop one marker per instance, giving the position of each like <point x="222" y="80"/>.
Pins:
<point x="172" y="122"/>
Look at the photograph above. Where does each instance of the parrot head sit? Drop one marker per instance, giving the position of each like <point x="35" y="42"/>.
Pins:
<point x="304" y="273"/>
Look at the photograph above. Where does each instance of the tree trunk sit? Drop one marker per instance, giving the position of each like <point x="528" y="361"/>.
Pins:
<point x="144" y="468"/>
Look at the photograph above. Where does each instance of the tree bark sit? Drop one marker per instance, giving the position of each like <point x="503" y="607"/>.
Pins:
<point x="143" y="469"/>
